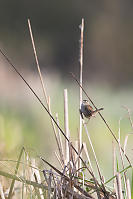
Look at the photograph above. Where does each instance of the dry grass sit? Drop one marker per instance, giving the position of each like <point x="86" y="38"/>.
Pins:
<point x="28" y="181"/>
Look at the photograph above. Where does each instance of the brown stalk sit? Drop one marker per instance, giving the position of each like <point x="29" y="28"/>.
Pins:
<point x="87" y="155"/>
<point x="80" y="88"/>
<point x="66" y="126"/>
<point x="43" y="87"/>
<point x="2" y="192"/>
<point x="129" y="115"/>
<point x="60" y="140"/>
<point x="81" y="80"/>
<point x="121" y="155"/>
<point x="114" y="164"/>
<point x="97" y="164"/>
<point x="119" y="186"/>
<point x="128" y="189"/>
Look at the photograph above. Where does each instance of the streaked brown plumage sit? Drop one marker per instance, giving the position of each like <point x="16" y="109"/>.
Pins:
<point x="87" y="111"/>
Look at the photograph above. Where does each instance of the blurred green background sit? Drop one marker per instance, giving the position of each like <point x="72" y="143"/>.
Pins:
<point x="107" y="71"/>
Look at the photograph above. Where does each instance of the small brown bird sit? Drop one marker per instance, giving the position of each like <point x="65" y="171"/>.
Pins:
<point x="87" y="111"/>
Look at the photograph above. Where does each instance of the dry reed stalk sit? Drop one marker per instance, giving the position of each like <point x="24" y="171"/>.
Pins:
<point x="37" y="62"/>
<point x="58" y="158"/>
<point x="128" y="189"/>
<point x="71" y="166"/>
<point x="88" y="157"/>
<point x="81" y="81"/>
<point x="1" y="192"/>
<point x="55" y="133"/>
<point x="125" y="142"/>
<point x="77" y="158"/>
<point x="42" y="83"/>
<point x="114" y="164"/>
<point x="60" y="140"/>
<point x="131" y="123"/>
<point x="37" y="191"/>
<point x="66" y="126"/>
<point x="67" y="179"/>
<point x="94" y="154"/>
<point x="129" y="115"/>
<point x="119" y="186"/>
<point x="75" y="155"/>
<point x="97" y="164"/>
<point x="29" y="175"/>
<point x="121" y="155"/>
<point x="38" y="177"/>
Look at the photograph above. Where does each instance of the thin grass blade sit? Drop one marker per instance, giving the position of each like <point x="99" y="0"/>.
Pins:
<point x="16" y="170"/>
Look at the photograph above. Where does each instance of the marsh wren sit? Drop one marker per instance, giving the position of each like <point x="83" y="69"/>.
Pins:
<point x="87" y="111"/>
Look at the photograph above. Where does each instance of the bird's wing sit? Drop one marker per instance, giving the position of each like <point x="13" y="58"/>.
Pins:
<point x="89" y="108"/>
<point x="88" y="111"/>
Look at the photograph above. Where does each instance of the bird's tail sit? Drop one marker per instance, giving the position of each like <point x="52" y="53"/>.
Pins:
<point x="98" y="110"/>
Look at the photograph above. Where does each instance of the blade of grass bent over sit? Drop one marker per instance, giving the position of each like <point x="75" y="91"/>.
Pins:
<point x="28" y="182"/>
<point x="16" y="170"/>
<point x="120" y="173"/>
